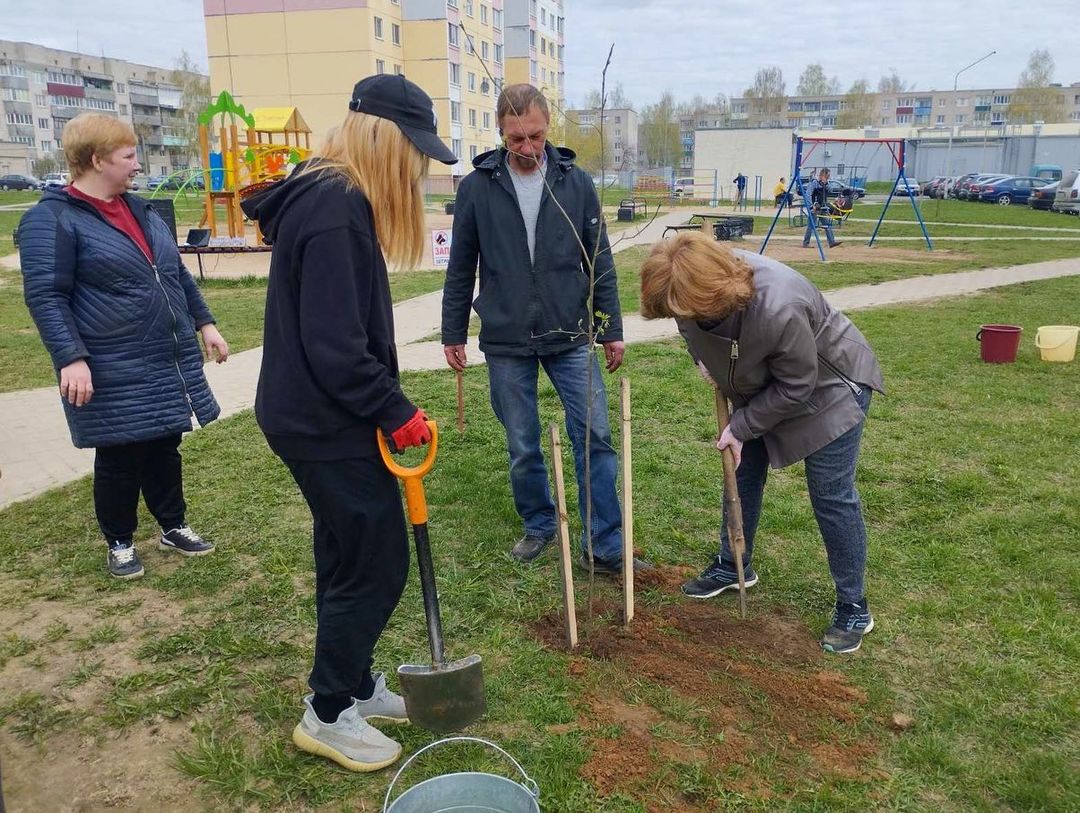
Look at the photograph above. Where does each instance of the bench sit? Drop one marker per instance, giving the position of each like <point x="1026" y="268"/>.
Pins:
<point x="628" y="208"/>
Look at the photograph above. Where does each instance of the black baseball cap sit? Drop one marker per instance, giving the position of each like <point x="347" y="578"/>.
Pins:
<point x="403" y="102"/>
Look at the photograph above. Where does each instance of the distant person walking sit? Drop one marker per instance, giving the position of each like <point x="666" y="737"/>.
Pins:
<point x="740" y="189"/>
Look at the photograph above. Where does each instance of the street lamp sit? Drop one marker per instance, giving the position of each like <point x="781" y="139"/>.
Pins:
<point x="955" y="84"/>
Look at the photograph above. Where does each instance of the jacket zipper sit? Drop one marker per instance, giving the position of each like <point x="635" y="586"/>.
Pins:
<point x="855" y="388"/>
<point x="731" y="367"/>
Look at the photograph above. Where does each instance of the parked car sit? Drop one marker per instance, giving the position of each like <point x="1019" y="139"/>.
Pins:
<point x="978" y="187"/>
<point x="1010" y="190"/>
<point x="682" y="188"/>
<point x="836" y="188"/>
<point x="1043" y="197"/>
<point x="911" y="188"/>
<point x="21" y="182"/>
<point x="55" y="180"/>
<point x="1067" y="198"/>
<point x="1049" y="172"/>
<point x="926" y="187"/>
<point x="959" y="181"/>
<point x="965" y="189"/>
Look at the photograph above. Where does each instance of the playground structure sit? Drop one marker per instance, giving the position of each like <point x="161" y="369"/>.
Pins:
<point x="248" y="158"/>
<point x="896" y="147"/>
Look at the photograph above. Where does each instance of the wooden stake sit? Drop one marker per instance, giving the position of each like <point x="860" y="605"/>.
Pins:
<point x="460" y="401"/>
<point x="732" y="504"/>
<point x="564" y="540"/>
<point x="627" y="506"/>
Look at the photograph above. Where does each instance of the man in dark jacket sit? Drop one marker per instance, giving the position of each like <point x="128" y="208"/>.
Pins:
<point x="533" y="221"/>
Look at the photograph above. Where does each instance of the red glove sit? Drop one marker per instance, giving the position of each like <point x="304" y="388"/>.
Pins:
<point x="414" y="432"/>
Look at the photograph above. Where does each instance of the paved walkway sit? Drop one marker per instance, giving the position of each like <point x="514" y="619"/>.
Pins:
<point x="36" y="452"/>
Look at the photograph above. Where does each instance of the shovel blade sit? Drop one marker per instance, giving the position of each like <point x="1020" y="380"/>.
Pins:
<point x="446" y="697"/>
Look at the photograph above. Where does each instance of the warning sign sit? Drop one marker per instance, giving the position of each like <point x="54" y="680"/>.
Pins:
<point x="440" y="247"/>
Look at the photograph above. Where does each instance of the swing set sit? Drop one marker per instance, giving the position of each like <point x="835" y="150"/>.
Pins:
<point x="836" y="214"/>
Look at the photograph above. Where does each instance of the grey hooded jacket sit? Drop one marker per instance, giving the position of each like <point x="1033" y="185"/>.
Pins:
<point x="789" y="362"/>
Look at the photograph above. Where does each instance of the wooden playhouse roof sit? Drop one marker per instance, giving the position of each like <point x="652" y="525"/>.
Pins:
<point x="279" y="120"/>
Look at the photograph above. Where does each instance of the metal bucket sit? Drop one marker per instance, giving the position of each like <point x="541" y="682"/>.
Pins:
<point x="465" y="792"/>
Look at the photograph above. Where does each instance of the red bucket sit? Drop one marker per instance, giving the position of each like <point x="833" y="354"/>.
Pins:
<point x="999" y="343"/>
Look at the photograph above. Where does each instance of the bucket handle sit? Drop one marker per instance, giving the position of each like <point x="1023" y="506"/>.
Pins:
<point x="529" y="784"/>
<point x="1062" y="343"/>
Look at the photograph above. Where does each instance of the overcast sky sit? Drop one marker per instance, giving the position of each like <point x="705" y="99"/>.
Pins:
<point x="706" y="47"/>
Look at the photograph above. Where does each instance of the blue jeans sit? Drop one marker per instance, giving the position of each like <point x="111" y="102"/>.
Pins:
<point x="823" y="221"/>
<point x="513" y="381"/>
<point x="830" y="479"/>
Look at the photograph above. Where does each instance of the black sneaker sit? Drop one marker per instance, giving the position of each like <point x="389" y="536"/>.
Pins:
<point x="611" y="567"/>
<point x="185" y="541"/>
<point x="713" y="581"/>
<point x="850" y="623"/>
<point x="123" y="561"/>
<point x="530" y="546"/>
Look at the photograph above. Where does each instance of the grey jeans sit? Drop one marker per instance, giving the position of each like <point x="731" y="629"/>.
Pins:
<point x="830" y="479"/>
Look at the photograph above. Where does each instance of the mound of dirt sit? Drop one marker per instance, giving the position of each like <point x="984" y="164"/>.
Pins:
<point x="702" y="697"/>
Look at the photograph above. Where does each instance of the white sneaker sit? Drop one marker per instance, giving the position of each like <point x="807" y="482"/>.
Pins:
<point x="383" y="703"/>
<point x="349" y="741"/>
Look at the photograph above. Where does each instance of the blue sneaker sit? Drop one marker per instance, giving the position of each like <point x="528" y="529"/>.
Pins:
<point x="715" y="579"/>
<point x="850" y="623"/>
<point x="185" y="541"/>
<point x="123" y="561"/>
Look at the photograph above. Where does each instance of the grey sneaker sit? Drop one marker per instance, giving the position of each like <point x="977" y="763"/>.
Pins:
<point x="610" y="567"/>
<point x="124" y="561"/>
<point x="185" y="541"/>
<point x="714" y="580"/>
<point x="530" y="546"/>
<point x="850" y="623"/>
<point x="349" y="741"/>
<point x="383" y="703"/>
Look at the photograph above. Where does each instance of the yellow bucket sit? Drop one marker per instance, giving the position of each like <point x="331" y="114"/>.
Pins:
<point x="1057" y="342"/>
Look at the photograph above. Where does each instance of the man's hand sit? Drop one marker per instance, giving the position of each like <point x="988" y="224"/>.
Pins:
<point x="613" y="353"/>
<point x="414" y="432"/>
<point x="701" y="368"/>
<point x="76" y="384"/>
<point x="455" y="355"/>
<point x="729" y="441"/>
<point x="214" y="344"/>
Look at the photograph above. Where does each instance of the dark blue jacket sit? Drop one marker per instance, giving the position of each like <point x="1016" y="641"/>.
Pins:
<point x="528" y="307"/>
<point x="94" y="295"/>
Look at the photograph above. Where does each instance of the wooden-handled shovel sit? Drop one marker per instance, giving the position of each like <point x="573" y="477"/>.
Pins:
<point x="732" y="503"/>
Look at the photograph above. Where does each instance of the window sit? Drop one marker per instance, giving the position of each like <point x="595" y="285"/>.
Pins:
<point x="962" y="101"/>
<point x="1001" y="98"/>
<point x="455" y="147"/>
<point x="39" y="99"/>
<point x="38" y="76"/>
<point x="378" y="28"/>
<point x="532" y="38"/>
<point x="14" y="95"/>
<point x="472" y="116"/>
<point x="483" y="14"/>
<point x="487" y="120"/>
<point x="532" y="7"/>
<point x="884" y="121"/>
<point x="380" y="66"/>
<point x="120" y="87"/>
<point x="455" y="73"/>
<point x="940" y="119"/>
<point x="23" y="140"/>
<point x="61" y="78"/>
<point x="455" y="111"/>
<point x="11" y="69"/>
<point x="453" y="34"/>
<point x="469" y="7"/>
<point x="543" y="46"/>
<point x="1075" y="115"/>
<point x="46" y="146"/>
<point x="903" y="118"/>
<point x="20" y="118"/>
<point x="395" y="33"/>
<point x="398" y="71"/>
<point x="498" y="54"/>
<point x="543" y="16"/>
<point x="532" y="68"/>
<point x="123" y="110"/>
<point x="472" y="151"/>
<point x="496" y="18"/>
<point x="43" y="124"/>
<point x="472" y="81"/>
<point x="885" y="105"/>
<point x="483" y="49"/>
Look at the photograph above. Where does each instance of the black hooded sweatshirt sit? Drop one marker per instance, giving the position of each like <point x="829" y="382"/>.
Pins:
<point x="329" y="372"/>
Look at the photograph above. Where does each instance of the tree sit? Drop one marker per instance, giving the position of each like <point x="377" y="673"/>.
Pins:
<point x="616" y="98"/>
<point x="891" y="83"/>
<point x="43" y="166"/>
<point x="814" y="82"/>
<point x="660" y="132"/>
<point x="584" y="139"/>
<point x="766" y="97"/>
<point x="194" y="97"/>
<point x="1034" y="98"/>
<point x="858" y="107"/>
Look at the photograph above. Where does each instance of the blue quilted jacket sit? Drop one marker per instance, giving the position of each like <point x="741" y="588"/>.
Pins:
<point x="94" y="295"/>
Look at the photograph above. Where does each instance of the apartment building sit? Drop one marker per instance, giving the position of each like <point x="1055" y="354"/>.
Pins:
<point x="620" y="132"/>
<point x="41" y="89"/>
<point x="270" y="53"/>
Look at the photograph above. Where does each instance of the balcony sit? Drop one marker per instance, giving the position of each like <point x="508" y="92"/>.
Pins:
<point x="100" y="93"/>
<point x="144" y="99"/>
<point x="146" y="121"/>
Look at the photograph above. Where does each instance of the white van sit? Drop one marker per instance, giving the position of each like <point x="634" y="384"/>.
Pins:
<point x="55" y="180"/>
<point x="682" y="188"/>
<point x="1067" y="197"/>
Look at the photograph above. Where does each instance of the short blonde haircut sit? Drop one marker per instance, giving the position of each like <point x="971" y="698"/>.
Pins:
<point x="694" y="277"/>
<point x="373" y="154"/>
<point x="90" y="134"/>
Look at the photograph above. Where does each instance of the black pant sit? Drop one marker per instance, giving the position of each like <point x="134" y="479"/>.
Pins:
<point x="121" y="472"/>
<point x="361" y="564"/>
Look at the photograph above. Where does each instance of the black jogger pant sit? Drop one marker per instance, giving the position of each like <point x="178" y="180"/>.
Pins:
<point x="361" y="564"/>
<point x="121" y="472"/>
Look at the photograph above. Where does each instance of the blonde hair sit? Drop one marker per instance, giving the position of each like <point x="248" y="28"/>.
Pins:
<point x="90" y="134"/>
<point x="694" y="277"/>
<point x="374" y="155"/>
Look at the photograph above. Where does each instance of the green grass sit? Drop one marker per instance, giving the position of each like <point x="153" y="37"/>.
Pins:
<point x="968" y="477"/>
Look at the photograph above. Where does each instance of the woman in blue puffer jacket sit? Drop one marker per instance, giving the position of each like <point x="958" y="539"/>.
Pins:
<point x="118" y="313"/>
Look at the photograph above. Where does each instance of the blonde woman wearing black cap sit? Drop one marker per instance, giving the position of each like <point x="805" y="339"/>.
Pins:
<point x="329" y="379"/>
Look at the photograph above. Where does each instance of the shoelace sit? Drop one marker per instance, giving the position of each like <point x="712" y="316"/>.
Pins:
<point x="186" y="532"/>
<point x="123" y="556"/>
